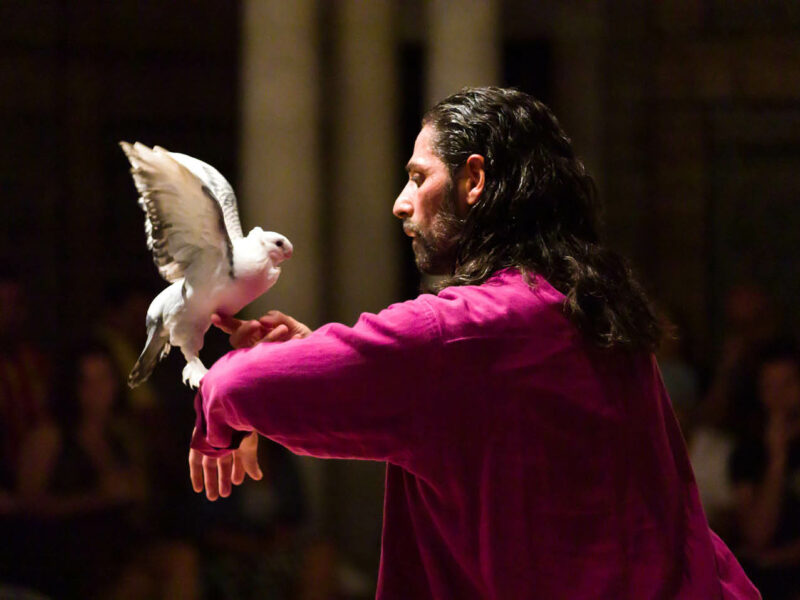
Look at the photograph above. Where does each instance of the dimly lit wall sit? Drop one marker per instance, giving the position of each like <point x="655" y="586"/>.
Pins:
<point x="702" y="152"/>
<point x="77" y="77"/>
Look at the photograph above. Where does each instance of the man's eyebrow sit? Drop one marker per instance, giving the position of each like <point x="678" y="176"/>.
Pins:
<point x="413" y="166"/>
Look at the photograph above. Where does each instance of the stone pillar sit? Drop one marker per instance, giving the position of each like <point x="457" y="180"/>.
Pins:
<point x="279" y="188"/>
<point x="279" y="182"/>
<point x="365" y="254"/>
<point x="366" y="159"/>
<point x="464" y="45"/>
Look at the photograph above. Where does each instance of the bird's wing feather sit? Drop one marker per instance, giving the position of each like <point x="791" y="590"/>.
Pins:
<point x="184" y="221"/>
<point x="220" y="188"/>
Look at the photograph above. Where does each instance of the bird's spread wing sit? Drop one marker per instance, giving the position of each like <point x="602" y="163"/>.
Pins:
<point x="220" y="189"/>
<point x="184" y="221"/>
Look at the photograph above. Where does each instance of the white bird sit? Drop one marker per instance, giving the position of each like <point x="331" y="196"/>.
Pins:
<point x="193" y="229"/>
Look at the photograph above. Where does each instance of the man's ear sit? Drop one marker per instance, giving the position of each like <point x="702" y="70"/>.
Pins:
<point x="471" y="182"/>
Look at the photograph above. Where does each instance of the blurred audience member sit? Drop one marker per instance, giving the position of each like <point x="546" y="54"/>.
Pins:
<point x="709" y="451"/>
<point x="86" y="533"/>
<point x="751" y="324"/>
<point x="724" y="414"/>
<point x="24" y="382"/>
<point x="765" y="470"/>
<point x="24" y="379"/>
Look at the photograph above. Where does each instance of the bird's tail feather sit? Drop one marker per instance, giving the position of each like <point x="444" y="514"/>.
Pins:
<point x="156" y="348"/>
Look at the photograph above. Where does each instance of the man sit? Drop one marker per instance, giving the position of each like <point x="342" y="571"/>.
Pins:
<point x="531" y="448"/>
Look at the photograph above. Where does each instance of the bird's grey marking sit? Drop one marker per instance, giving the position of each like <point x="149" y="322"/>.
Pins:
<point x="156" y="232"/>
<point x="156" y="348"/>
<point x="150" y="322"/>
<point x="221" y="189"/>
<point x="210" y="195"/>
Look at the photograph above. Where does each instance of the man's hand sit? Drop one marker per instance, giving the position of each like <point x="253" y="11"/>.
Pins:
<point x="217" y="474"/>
<point x="272" y="327"/>
<point x="282" y="328"/>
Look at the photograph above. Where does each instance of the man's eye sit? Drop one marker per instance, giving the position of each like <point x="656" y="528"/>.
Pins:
<point x="417" y="179"/>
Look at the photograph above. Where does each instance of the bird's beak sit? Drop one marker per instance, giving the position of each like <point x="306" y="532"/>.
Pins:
<point x="281" y="253"/>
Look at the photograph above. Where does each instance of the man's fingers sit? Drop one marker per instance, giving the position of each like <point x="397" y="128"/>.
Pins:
<point x="227" y="323"/>
<point x="196" y="470"/>
<point x="248" y="334"/>
<point x="248" y="452"/>
<point x="244" y="334"/>
<point x="211" y="478"/>
<point x="275" y="319"/>
<point x="252" y="469"/>
<point x="224" y="468"/>
<point x="278" y="334"/>
<point x="238" y="473"/>
<point x="219" y="475"/>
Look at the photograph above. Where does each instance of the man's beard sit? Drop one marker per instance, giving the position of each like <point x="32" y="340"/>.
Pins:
<point x="435" y="249"/>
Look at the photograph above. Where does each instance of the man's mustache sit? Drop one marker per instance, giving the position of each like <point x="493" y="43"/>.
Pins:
<point x="411" y="229"/>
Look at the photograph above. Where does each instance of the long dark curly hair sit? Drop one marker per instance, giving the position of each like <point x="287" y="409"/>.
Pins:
<point x="538" y="213"/>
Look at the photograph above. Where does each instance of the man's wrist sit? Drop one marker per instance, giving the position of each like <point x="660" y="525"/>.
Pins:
<point x="201" y="444"/>
<point x="224" y="439"/>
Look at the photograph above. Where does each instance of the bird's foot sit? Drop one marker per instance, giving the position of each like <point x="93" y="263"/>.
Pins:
<point x="193" y="372"/>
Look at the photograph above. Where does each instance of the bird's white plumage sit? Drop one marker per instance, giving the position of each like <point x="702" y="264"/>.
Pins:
<point x="192" y="227"/>
<point x="220" y="188"/>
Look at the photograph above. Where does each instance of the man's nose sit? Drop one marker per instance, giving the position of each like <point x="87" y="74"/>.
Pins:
<point x="402" y="208"/>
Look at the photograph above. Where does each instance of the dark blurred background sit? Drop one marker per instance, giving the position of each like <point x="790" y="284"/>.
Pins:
<point x="687" y="112"/>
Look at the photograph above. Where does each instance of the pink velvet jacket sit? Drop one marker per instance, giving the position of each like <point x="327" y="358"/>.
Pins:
<point x="522" y="461"/>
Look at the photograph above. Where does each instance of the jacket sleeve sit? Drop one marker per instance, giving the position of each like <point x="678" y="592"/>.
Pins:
<point x="342" y="392"/>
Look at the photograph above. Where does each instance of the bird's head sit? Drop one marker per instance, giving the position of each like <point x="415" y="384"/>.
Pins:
<point x="277" y="247"/>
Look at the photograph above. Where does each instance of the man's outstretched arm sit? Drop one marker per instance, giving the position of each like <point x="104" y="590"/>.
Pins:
<point x="341" y="392"/>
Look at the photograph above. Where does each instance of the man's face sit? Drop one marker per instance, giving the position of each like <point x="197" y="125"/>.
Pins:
<point x="427" y="206"/>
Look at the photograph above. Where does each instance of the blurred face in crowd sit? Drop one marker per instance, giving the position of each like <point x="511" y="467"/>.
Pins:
<point x="97" y="385"/>
<point x="427" y="206"/>
<point x="779" y="386"/>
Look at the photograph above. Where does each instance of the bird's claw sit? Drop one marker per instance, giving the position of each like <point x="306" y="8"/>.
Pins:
<point x="193" y="372"/>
